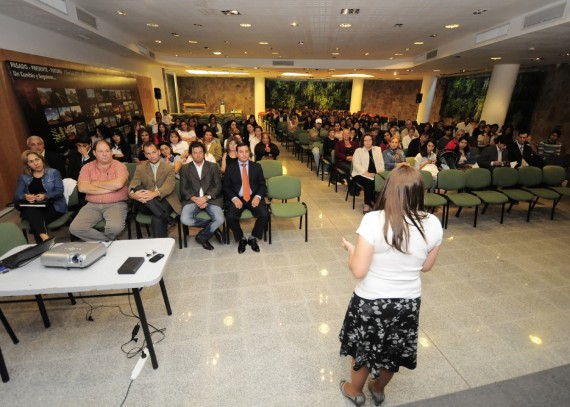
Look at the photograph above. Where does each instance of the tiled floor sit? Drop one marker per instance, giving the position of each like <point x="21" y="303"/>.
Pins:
<point x="260" y="329"/>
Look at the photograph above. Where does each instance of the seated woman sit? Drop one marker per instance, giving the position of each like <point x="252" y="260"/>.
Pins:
<point x="230" y="154"/>
<point x="394" y="156"/>
<point x="343" y="152"/>
<point x="366" y="163"/>
<point x="265" y="150"/>
<point x="484" y="138"/>
<point x="426" y="159"/>
<point x="187" y="133"/>
<point x="215" y="126"/>
<point x="39" y="185"/>
<point x="120" y="148"/>
<point x="162" y="135"/>
<point x="144" y="137"/>
<point x="179" y="146"/>
<point x="170" y="157"/>
<point x="465" y="159"/>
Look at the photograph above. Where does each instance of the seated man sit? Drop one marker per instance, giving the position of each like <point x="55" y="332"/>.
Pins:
<point x="152" y="189"/>
<point x="201" y="189"/>
<point x="104" y="181"/>
<point x="494" y="155"/>
<point x="53" y="159"/>
<point x="550" y="150"/>
<point x="521" y="151"/>
<point x="79" y="157"/>
<point x="244" y="188"/>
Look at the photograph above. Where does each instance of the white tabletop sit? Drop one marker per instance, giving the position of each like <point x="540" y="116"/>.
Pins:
<point x="34" y="278"/>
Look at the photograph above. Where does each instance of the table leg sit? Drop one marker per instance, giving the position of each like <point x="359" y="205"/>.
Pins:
<point x="8" y="328"/>
<point x="43" y="311"/>
<point x="165" y="297"/>
<point x="3" y="369"/>
<point x="144" y="325"/>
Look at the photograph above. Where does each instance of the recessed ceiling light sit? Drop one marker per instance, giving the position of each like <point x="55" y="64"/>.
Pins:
<point x="263" y="43"/>
<point x="436" y="70"/>
<point x="391" y="58"/>
<point x="479" y="11"/>
<point x="366" y="53"/>
<point x="158" y="41"/>
<point x="275" y="53"/>
<point x="531" y="49"/>
<point x="294" y="24"/>
<point x="395" y="73"/>
<point x="452" y="26"/>
<point x="345" y="25"/>
<point x="419" y="43"/>
<point x="537" y="59"/>
<point x="192" y="42"/>
<point x="231" y="12"/>
<point x="496" y="58"/>
<point x="398" y="55"/>
<point x="245" y="52"/>
<point x="153" y="25"/>
<point x="245" y="25"/>
<point x="217" y="53"/>
<point x="206" y="47"/>
<point x="295" y="74"/>
<point x="433" y="35"/>
<point x="397" y="78"/>
<point x="301" y="43"/>
<point x="409" y="70"/>
<point x="197" y="25"/>
<point x="398" y="25"/>
<point x="227" y="42"/>
<point x="335" y="53"/>
<point x="175" y="55"/>
<point x="175" y="34"/>
<point x="346" y="11"/>
<point x="202" y="72"/>
<point x="122" y="13"/>
<point x="407" y="49"/>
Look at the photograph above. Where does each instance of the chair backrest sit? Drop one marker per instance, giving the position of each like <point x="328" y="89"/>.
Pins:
<point x="427" y="178"/>
<point x="378" y="183"/>
<point x="10" y="236"/>
<point x="385" y="174"/>
<point x="505" y="177"/>
<point x="451" y="180"/>
<point x="478" y="178"/>
<point x="131" y="167"/>
<point x="553" y="175"/>
<point x="271" y="168"/>
<point x="411" y="161"/>
<point x="73" y="199"/>
<point x="284" y="187"/>
<point x="530" y="176"/>
<point x="304" y="137"/>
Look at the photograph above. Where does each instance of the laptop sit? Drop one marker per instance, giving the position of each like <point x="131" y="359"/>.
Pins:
<point x="26" y="255"/>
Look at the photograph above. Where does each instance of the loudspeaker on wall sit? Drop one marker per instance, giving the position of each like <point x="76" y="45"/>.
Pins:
<point x="157" y="93"/>
<point x="419" y="97"/>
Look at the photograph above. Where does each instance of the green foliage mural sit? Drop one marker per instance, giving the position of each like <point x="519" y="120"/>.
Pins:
<point x="314" y="94"/>
<point x="464" y="96"/>
<point x="525" y="94"/>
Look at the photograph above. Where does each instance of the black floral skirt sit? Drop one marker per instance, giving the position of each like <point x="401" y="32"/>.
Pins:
<point x="381" y="333"/>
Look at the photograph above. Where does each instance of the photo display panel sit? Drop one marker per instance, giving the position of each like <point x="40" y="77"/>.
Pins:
<point x="58" y="104"/>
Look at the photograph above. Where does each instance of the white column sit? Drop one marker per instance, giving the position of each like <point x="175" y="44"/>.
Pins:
<point x="499" y="93"/>
<point x="356" y="95"/>
<point x="259" y="95"/>
<point x="429" y="83"/>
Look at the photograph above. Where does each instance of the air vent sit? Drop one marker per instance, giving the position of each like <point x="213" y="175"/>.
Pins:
<point x="492" y="34"/>
<point x="86" y="18"/>
<point x="431" y="54"/>
<point x="56" y="4"/>
<point x="545" y="15"/>
<point x="151" y="54"/>
<point x="283" y="63"/>
<point x="143" y="50"/>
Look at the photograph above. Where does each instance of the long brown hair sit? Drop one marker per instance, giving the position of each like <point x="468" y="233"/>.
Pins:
<point x="27" y="169"/>
<point x="402" y="200"/>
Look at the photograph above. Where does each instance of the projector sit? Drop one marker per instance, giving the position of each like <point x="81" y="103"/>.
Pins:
<point x="73" y="255"/>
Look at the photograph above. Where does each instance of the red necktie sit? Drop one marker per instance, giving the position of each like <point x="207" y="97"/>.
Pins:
<point x="245" y="184"/>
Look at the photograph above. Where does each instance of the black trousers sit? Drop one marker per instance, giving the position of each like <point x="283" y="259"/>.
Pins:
<point x="160" y="211"/>
<point x="368" y="187"/>
<point x="260" y="212"/>
<point x="38" y="218"/>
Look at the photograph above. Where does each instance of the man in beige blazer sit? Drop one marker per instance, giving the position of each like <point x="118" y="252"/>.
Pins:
<point x="153" y="190"/>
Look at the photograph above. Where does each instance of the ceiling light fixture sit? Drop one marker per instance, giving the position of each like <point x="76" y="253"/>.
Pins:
<point x="122" y="13"/>
<point x="217" y="53"/>
<point x="335" y="53"/>
<point x="153" y="25"/>
<point x="192" y="42"/>
<point x="158" y="41"/>
<point x="366" y="53"/>
<point x="537" y="59"/>
<point x="245" y="25"/>
<point x="437" y="70"/>
<point x="295" y="74"/>
<point x="398" y="25"/>
<point x="301" y="43"/>
<point x="479" y="11"/>
<point x="275" y="53"/>
<point x="263" y="43"/>
<point x="496" y="58"/>
<point x="227" y="42"/>
<point x="345" y="25"/>
<point x="354" y="75"/>
<point x="197" y="25"/>
<point x="346" y="11"/>
<point x="203" y="72"/>
<point x="419" y="43"/>
<point x="433" y="35"/>
<point x="398" y="55"/>
<point x="231" y="13"/>
<point x="294" y="24"/>
<point x="175" y="34"/>
<point x="452" y="26"/>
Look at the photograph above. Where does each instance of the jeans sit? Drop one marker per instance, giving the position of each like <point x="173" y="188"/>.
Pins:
<point x="188" y="218"/>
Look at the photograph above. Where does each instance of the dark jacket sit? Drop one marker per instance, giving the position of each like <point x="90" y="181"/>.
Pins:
<point x="232" y="180"/>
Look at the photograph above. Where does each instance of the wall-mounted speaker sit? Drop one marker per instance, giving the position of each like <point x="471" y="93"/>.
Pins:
<point x="419" y="97"/>
<point x="157" y="93"/>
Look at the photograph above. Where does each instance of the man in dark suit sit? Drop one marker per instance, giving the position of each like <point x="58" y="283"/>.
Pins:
<point x="244" y="188"/>
<point x="54" y="160"/>
<point x="201" y="189"/>
<point x="521" y="150"/>
<point x="79" y="157"/>
<point x="416" y="145"/>
<point x="152" y="189"/>
<point x="494" y="155"/>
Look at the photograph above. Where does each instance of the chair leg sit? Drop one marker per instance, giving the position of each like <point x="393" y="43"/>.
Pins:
<point x="179" y="225"/>
<point x="269" y="227"/>
<point x="475" y="217"/>
<point x="528" y="212"/>
<point x="446" y="215"/>
<point x="71" y="298"/>
<point x="306" y="224"/>
<point x="458" y="211"/>
<point x="148" y="231"/>
<point x="484" y="208"/>
<point x="502" y="212"/>
<point x="138" y="230"/>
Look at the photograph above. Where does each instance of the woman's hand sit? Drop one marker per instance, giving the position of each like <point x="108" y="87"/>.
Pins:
<point x="40" y="197"/>
<point x="347" y="245"/>
<point x="30" y="197"/>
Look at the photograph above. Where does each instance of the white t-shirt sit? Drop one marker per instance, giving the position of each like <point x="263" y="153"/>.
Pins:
<point x="393" y="274"/>
<point x="181" y="147"/>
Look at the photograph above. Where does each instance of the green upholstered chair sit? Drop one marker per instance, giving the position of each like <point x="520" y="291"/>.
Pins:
<point x="431" y="200"/>
<point x="479" y="183"/>
<point x="245" y="215"/>
<point x="552" y="178"/>
<point x="285" y="187"/>
<point x="10" y="236"/>
<point x="530" y="179"/>
<point x="505" y="179"/>
<point x="271" y="168"/>
<point x="454" y="182"/>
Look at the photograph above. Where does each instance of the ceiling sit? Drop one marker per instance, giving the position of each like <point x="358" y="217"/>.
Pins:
<point x="379" y="41"/>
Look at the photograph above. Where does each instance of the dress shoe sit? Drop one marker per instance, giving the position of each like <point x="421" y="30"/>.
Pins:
<point x="218" y="236"/>
<point x="205" y="244"/>
<point x="377" y="397"/>
<point x="242" y="245"/>
<point x="253" y="243"/>
<point x="356" y="400"/>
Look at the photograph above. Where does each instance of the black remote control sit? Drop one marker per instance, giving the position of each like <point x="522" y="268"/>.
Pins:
<point x="131" y="265"/>
<point x="156" y="257"/>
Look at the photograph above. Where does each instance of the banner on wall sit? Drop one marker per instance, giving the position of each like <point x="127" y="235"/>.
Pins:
<point x="59" y="104"/>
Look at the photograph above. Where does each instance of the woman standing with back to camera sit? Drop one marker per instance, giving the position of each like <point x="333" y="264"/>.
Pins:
<point x="395" y="244"/>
